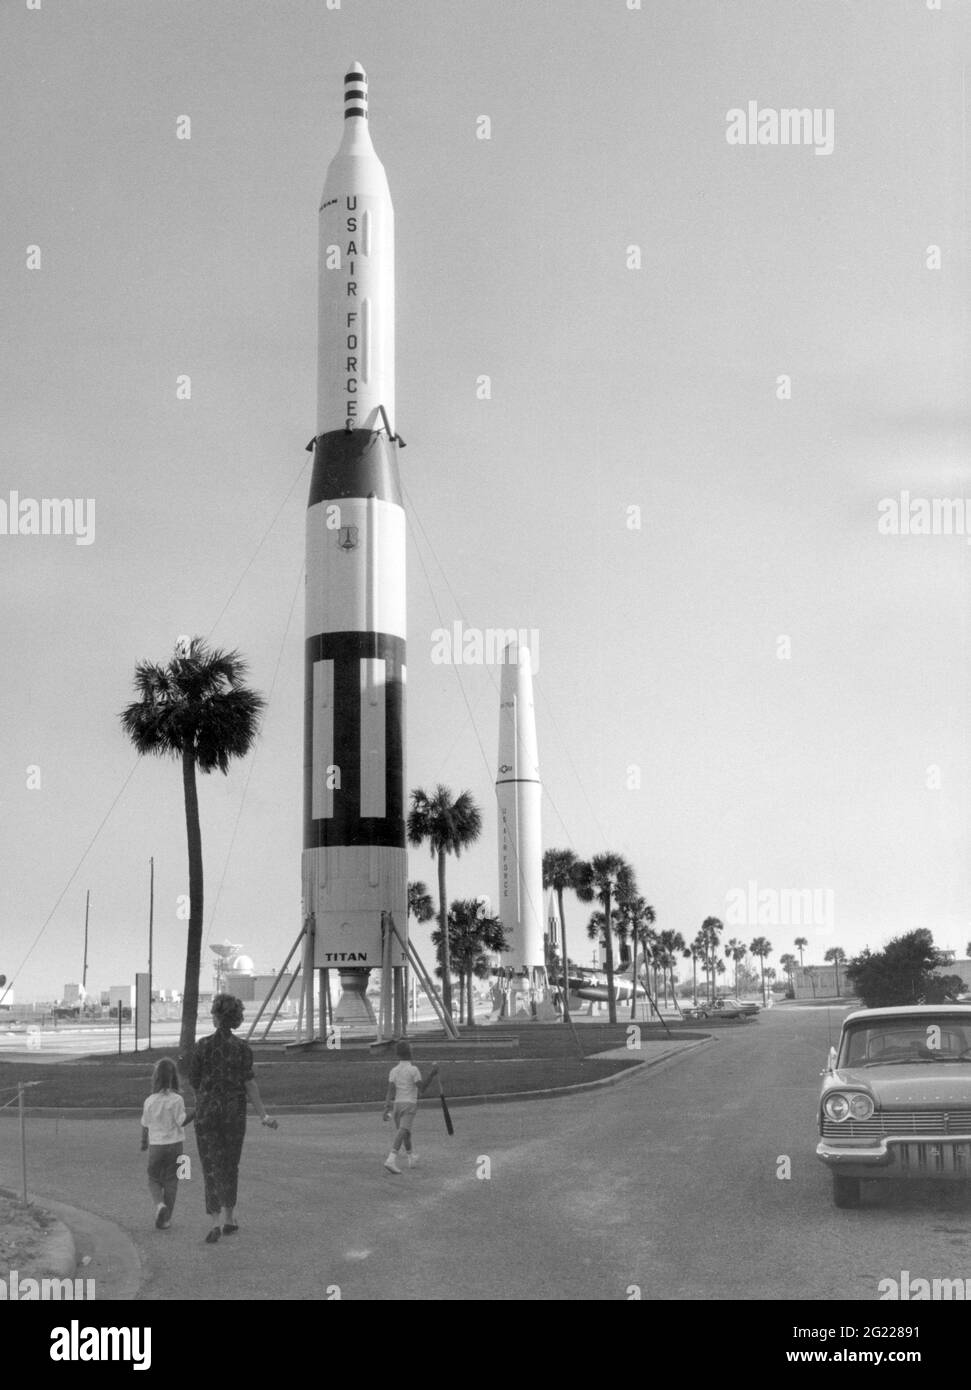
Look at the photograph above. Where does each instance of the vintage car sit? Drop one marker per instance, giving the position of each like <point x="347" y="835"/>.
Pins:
<point x="748" y="1007"/>
<point x="721" y="1008"/>
<point x="896" y="1098"/>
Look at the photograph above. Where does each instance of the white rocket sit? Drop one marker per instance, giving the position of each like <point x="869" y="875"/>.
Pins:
<point x="355" y="856"/>
<point x="521" y="905"/>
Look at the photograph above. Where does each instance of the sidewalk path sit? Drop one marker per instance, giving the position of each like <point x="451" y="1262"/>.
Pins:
<point x="511" y="1207"/>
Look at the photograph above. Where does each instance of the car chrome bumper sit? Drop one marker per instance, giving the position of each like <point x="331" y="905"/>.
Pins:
<point x="930" y="1156"/>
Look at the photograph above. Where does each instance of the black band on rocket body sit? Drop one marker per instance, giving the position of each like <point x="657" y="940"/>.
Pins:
<point x="347" y="826"/>
<point x="355" y="463"/>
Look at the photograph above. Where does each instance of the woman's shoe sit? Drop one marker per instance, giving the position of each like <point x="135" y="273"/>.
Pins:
<point x="213" y="1236"/>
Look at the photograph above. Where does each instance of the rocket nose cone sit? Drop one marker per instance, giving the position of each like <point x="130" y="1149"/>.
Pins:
<point x="355" y="91"/>
<point x="516" y="657"/>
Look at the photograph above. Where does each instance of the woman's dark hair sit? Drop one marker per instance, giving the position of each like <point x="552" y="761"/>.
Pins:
<point x="403" y="1049"/>
<point x="165" y="1077"/>
<point x="227" y="1010"/>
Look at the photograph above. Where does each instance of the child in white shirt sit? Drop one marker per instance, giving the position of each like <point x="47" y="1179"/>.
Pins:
<point x="163" y="1117"/>
<point x="405" y="1088"/>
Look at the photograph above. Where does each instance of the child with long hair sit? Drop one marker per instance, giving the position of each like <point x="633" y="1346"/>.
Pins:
<point x="163" y="1117"/>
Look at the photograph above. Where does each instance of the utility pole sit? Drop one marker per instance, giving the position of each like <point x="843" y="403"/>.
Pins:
<point x="151" y="917"/>
<point x="84" y="968"/>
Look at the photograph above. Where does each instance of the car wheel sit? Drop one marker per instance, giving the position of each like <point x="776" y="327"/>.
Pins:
<point x="846" y="1191"/>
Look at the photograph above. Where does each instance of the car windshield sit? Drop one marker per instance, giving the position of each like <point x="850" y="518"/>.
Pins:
<point x="897" y="1041"/>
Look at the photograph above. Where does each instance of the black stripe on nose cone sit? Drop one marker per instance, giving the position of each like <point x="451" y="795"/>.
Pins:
<point x="354" y="111"/>
<point x="355" y="93"/>
<point x="355" y="77"/>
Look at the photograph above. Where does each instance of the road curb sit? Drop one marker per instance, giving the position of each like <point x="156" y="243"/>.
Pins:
<point x="116" y="1264"/>
<point x="360" y="1107"/>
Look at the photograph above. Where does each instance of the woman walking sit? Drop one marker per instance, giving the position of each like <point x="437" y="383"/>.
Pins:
<point x="221" y="1073"/>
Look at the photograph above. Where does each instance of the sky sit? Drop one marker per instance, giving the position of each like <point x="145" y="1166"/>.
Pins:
<point x="708" y="365"/>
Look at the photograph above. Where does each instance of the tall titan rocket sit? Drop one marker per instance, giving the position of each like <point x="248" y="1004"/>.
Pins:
<point x="354" y="858"/>
<point x="519" y="793"/>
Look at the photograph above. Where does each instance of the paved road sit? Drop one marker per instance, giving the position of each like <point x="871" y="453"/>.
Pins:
<point x="666" y="1181"/>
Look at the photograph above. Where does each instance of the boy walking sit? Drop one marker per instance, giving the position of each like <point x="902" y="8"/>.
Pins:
<point x="405" y="1088"/>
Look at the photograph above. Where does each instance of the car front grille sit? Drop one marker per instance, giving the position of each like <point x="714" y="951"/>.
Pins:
<point x="918" y="1160"/>
<point x="893" y="1124"/>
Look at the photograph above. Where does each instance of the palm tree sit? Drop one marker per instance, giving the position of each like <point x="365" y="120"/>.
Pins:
<point x="638" y="917"/>
<point x="595" y="928"/>
<point x="709" y="936"/>
<point x="736" y="950"/>
<point x="608" y="878"/>
<point x="198" y="710"/>
<point x="837" y="955"/>
<point x="473" y="936"/>
<point x="696" y="951"/>
<point x="672" y="945"/>
<point x="421" y="907"/>
<point x="449" y="825"/>
<point x="788" y="963"/>
<point x="761" y="947"/>
<point x="560" y="868"/>
<point x="800" y="943"/>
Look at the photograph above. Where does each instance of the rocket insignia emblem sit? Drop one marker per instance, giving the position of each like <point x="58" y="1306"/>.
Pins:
<point x="347" y="537"/>
<point x="505" y="768"/>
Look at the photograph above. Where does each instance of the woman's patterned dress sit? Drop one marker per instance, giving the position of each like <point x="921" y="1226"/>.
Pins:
<point x="220" y="1068"/>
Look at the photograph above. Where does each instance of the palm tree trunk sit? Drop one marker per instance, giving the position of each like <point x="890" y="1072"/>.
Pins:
<point x="694" y="978"/>
<point x="633" y="974"/>
<point x="193" y="950"/>
<point x="443" y="927"/>
<point x="609" y="962"/>
<point x="469" y="1010"/>
<point x="566" y="958"/>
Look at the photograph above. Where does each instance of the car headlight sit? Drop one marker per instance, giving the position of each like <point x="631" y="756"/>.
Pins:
<point x="839" y="1107"/>
<point x="836" y="1107"/>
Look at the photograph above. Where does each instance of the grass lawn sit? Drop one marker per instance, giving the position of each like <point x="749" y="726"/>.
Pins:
<point x="541" y="1057"/>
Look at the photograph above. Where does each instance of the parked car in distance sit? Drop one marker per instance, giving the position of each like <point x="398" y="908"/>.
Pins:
<point x="896" y="1098"/>
<point x="748" y="1007"/>
<point x="721" y="1008"/>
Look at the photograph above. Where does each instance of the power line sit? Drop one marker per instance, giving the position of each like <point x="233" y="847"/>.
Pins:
<point x="249" y="773"/>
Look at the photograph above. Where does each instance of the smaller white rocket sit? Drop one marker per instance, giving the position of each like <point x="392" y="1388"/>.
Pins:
<point x="519" y="791"/>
